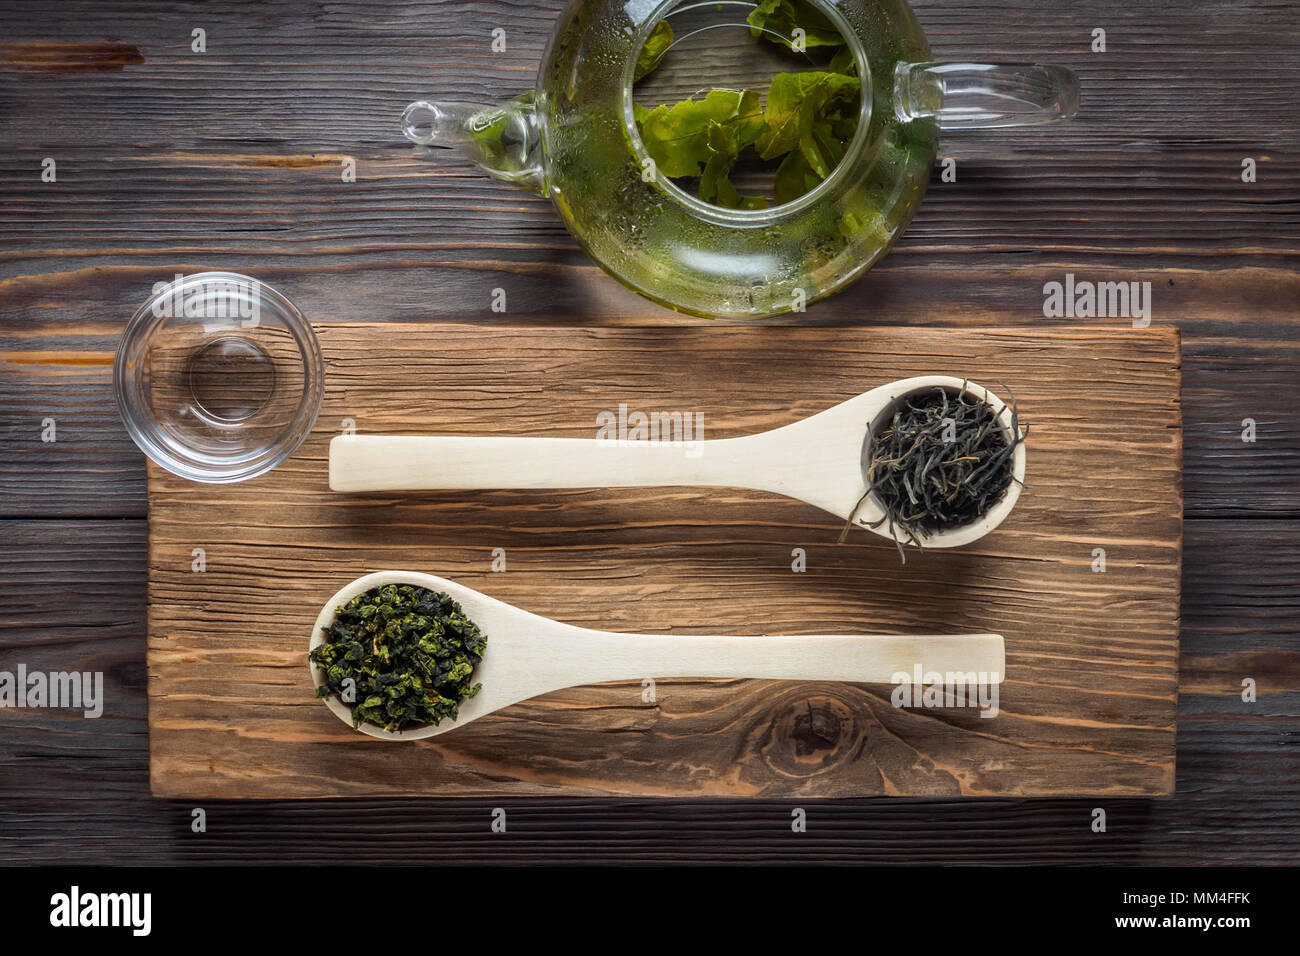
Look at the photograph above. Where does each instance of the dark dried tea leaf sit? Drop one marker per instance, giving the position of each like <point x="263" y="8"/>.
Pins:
<point x="942" y="461"/>
<point x="401" y="656"/>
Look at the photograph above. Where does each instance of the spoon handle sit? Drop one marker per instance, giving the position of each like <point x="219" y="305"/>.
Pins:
<point x="422" y="463"/>
<point x="864" y="659"/>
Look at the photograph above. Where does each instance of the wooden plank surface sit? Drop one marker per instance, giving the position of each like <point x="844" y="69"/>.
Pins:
<point x="1088" y="704"/>
<point x="1236" y="772"/>
<point x="189" y="161"/>
<point x="183" y="163"/>
<point x="94" y="470"/>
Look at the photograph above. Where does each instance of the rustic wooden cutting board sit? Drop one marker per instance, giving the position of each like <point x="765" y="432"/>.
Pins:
<point x="1087" y="707"/>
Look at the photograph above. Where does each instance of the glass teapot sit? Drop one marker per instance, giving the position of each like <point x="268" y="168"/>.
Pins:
<point x="578" y="140"/>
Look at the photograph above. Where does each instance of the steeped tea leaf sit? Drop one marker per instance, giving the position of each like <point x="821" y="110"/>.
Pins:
<point x="776" y="20"/>
<point x="656" y="45"/>
<point x="843" y="62"/>
<point x="795" y="103"/>
<point x="812" y="115"/>
<point x="401" y="655"/>
<point x="794" y="177"/>
<point x="715" y="186"/>
<point x="821" y="149"/>
<point x="725" y="144"/>
<point x="677" y="137"/>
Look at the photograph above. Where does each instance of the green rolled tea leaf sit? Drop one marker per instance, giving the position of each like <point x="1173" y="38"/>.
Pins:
<point x="656" y="45"/>
<point x="776" y="20"/>
<point x="401" y="656"/>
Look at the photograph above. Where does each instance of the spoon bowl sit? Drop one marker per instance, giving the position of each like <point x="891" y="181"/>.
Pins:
<point x="528" y="655"/>
<point x="819" y="460"/>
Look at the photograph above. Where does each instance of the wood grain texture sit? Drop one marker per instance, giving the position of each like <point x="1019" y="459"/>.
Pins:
<point x="1238" y="777"/>
<point x="1089" y="699"/>
<point x="213" y="160"/>
<point x="232" y="160"/>
<point x="95" y="470"/>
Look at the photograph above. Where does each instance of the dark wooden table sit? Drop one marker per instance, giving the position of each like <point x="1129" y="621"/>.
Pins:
<point x="168" y="161"/>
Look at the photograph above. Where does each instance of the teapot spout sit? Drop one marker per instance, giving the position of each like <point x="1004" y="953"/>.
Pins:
<point x="503" y="140"/>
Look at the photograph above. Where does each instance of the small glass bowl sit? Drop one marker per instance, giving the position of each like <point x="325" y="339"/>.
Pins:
<point x="218" y="377"/>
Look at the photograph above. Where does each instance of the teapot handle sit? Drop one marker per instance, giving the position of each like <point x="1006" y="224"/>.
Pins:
<point x="983" y="96"/>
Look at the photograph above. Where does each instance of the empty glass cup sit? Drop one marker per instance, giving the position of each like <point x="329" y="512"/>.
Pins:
<point x="218" y="377"/>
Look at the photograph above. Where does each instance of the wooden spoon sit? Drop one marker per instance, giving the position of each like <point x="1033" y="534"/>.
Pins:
<point x="819" y="460"/>
<point x="528" y="655"/>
